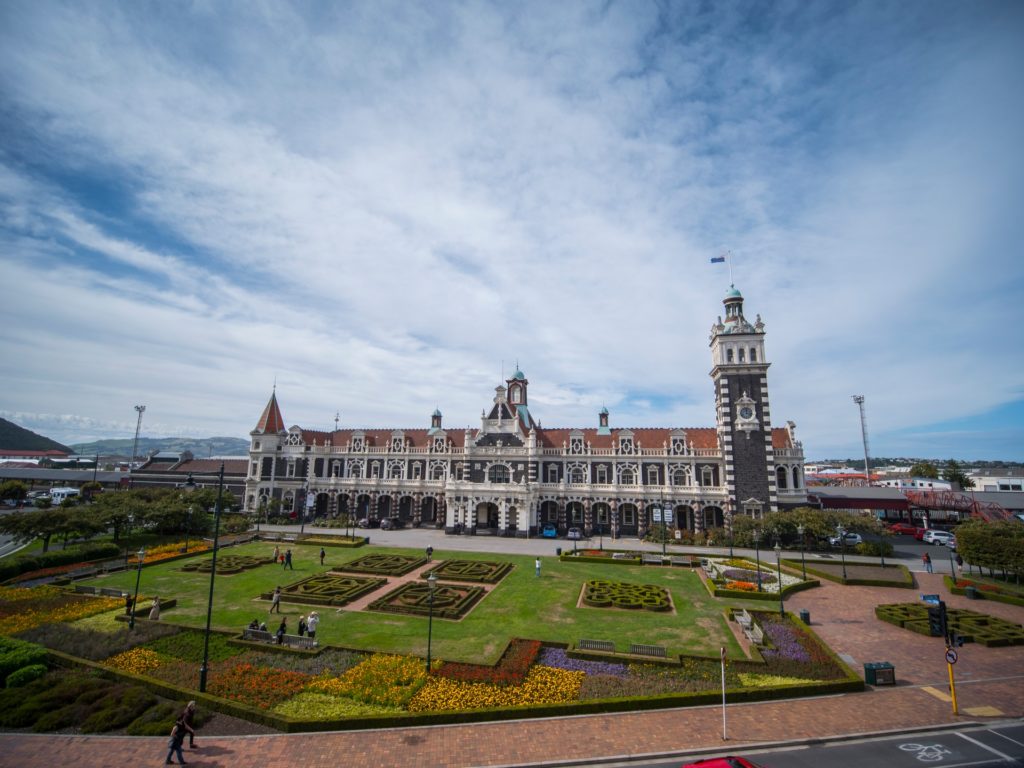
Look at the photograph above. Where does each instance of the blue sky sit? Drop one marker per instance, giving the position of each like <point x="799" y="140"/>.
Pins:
<point x="381" y="206"/>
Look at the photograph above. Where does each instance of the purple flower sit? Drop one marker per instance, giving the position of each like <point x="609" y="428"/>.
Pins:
<point x="785" y="642"/>
<point x="559" y="659"/>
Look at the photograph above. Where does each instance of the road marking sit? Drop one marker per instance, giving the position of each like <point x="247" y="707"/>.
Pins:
<point x="983" y="745"/>
<point x="1012" y="741"/>
<point x="927" y="753"/>
<point x="937" y="693"/>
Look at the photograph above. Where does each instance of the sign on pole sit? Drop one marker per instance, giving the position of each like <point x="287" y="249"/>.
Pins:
<point x="932" y="599"/>
<point x="725" y="735"/>
<point x="951" y="656"/>
<point x="657" y="514"/>
<point x="668" y="515"/>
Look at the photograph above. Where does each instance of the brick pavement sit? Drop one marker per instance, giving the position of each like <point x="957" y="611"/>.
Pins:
<point x="989" y="688"/>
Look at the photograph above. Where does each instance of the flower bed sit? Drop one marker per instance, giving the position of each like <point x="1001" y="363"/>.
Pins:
<point x="511" y="669"/>
<point x="543" y="685"/>
<point x="22" y="609"/>
<point x="165" y="551"/>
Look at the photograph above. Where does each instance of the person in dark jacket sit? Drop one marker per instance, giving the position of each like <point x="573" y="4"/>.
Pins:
<point x="175" y="743"/>
<point x="187" y="719"/>
<point x="282" y="630"/>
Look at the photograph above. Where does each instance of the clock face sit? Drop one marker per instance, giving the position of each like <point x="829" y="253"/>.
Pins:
<point x="746" y="412"/>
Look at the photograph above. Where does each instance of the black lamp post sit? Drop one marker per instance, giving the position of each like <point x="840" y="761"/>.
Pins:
<point x="757" y="549"/>
<point x="842" y="543"/>
<point x="730" y="540"/>
<point x="141" y="554"/>
<point x="803" y="561"/>
<point x="600" y="533"/>
<point x="778" y="567"/>
<point x="213" y="572"/>
<point x="881" y="547"/>
<point x="302" y="509"/>
<point x="432" y="584"/>
<point x="952" y="565"/>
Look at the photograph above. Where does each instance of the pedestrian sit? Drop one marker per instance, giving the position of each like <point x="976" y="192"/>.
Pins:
<point x="927" y="560"/>
<point x="322" y="555"/>
<point x="127" y="604"/>
<point x="430" y="554"/>
<point x="288" y="559"/>
<point x="154" y="612"/>
<point x="536" y="565"/>
<point x="959" y="564"/>
<point x="277" y="553"/>
<point x="187" y="719"/>
<point x="314" y="619"/>
<point x="282" y="630"/>
<point x="174" y="745"/>
<point x="275" y="600"/>
<point x="254" y="624"/>
<point x="302" y="625"/>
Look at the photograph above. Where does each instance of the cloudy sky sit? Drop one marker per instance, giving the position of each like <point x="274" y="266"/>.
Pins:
<point x="383" y="206"/>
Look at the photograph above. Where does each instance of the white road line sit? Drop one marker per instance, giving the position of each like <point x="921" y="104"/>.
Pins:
<point x="983" y="745"/>
<point x="1012" y="741"/>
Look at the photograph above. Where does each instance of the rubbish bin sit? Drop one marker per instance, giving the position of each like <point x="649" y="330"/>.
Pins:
<point x="971" y="593"/>
<point x="879" y="673"/>
<point x="558" y="551"/>
<point x="805" y="616"/>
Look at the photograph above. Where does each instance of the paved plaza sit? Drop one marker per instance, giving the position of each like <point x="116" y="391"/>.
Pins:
<point x="989" y="685"/>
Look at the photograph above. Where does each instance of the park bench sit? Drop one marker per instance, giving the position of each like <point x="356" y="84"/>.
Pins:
<point x="110" y="592"/>
<point x="596" y="645"/>
<point x="640" y="649"/>
<point x="293" y="641"/>
<point x="653" y="560"/>
<point x="85" y="590"/>
<point x="679" y="560"/>
<point x="753" y="632"/>
<point x="290" y="538"/>
<point x="621" y="556"/>
<point x="257" y="636"/>
<point x="299" y="641"/>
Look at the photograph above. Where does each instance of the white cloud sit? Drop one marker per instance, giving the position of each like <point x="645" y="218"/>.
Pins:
<point x="379" y="205"/>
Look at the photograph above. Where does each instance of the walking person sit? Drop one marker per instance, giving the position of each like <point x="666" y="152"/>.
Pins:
<point x="288" y="559"/>
<point x="322" y="555"/>
<point x="927" y="560"/>
<point x="154" y="612"/>
<point x="175" y="743"/>
<point x="187" y="719"/>
<point x="275" y="600"/>
<point x="277" y="553"/>
<point x="311" y="624"/>
<point x="959" y="564"/>
<point x="430" y="554"/>
<point x="536" y="566"/>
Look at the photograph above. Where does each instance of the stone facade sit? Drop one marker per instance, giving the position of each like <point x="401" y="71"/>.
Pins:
<point x="510" y="476"/>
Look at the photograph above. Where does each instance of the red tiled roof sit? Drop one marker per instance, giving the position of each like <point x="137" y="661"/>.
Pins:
<point x="701" y="438"/>
<point x="212" y="466"/>
<point x="271" y="421"/>
<point x="378" y="438"/>
<point x="30" y="454"/>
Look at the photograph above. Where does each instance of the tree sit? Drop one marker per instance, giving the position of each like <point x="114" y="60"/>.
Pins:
<point x="955" y="474"/>
<point x="13" y="489"/>
<point x="36" y="524"/>
<point x="924" y="469"/>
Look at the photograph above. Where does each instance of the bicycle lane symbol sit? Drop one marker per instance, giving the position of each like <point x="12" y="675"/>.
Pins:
<point x="927" y="753"/>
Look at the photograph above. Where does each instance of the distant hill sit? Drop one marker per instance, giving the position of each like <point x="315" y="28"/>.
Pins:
<point x="15" y="438"/>
<point x="199" y="447"/>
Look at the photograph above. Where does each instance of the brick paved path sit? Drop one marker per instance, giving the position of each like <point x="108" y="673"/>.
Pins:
<point x="990" y="686"/>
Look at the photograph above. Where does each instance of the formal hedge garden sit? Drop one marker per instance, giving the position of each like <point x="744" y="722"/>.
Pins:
<point x="384" y="565"/>
<point x="327" y="589"/>
<point x="450" y="601"/>
<point x="470" y="570"/>
<point x="227" y="564"/>
<point x="973" y="627"/>
<point x="601" y="593"/>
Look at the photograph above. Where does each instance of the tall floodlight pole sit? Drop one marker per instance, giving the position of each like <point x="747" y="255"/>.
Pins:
<point x="859" y="400"/>
<point x="213" y="574"/>
<point x="140" y="409"/>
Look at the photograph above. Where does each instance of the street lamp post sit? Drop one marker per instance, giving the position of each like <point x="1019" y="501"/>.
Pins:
<point x="730" y="540"/>
<point x="778" y="567"/>
<point x="188" y="526"/>
<point x="757" y="549"/>
<point x="432" y="584"/>
<point x="842" y="543"/>
<point x="213" y="573"/>
<point x="803" y="561"/>
<point x="952" y="565"/>
<point x="302" y="509"/>
<point x="141" y="554"/>
<point x="881" y="547"/>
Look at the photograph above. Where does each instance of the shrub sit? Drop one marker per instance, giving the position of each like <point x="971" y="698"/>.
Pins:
<point x="93" y="644"/>
<point x="26" y="675"/>
<point x="15" y="654"/>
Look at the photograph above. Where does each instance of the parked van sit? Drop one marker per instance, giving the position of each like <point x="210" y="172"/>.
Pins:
<point x="57" y="495"/>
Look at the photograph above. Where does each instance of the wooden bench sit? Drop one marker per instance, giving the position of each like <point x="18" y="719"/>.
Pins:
<point x="110" y="592"/>
<point x="290" y="538"/>
<point x="679" y="560"/>
<point x="621" y="556"/>
<point x="639" y="649"/>
<point x="596" y="645"/>
<point x="85" y="590"/>
<point x="753" y="632"/>
<point x="293" y="641"/>
<point x="653" y="560"/>
<point x="257" y="636"/>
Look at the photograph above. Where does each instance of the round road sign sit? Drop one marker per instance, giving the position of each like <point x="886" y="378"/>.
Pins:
<point x="951" y="656"/>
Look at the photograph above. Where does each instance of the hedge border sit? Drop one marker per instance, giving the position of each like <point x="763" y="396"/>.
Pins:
<point x="906" y="583"/>
<point x="997" y="597"/>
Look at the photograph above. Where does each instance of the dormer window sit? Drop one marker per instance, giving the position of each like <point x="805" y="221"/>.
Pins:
<point x="397" y="444"/>
<point x="625" y="445"/>
<point x="357" y="443"/>
<point x="438" y="444"/>
<point x="678" y="445"/>
<point x="576" y="445"/>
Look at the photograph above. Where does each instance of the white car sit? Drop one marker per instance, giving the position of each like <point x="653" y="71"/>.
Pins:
<point x="852" y="539"/>
<point x="942" y="538"/>
<point x="575" y="533"/>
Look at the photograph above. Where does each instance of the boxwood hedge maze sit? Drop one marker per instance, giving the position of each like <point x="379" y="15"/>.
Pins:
<point x="227" y="564"/>
<point x="451" y="601"/>
<point x="384" y="565"/>
<point x="599" y="593"/>
<point x="470" y="570"/>
<point x="972" y="626"/>
<point x="328" y="589"/>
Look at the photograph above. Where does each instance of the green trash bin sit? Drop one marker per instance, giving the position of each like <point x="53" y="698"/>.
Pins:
<point x="971" y="593"/>
<point x="805" y="616"/>
<point x="879" y="673"/>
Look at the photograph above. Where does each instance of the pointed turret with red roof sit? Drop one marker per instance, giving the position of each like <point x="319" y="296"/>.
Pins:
<point x="271" y="422"/>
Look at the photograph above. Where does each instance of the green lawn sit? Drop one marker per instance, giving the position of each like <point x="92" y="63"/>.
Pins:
<point x="520" y="606"/>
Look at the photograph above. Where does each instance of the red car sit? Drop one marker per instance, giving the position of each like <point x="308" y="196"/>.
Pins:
<point x="905" y="528"/>
<point x="723" y="762"/>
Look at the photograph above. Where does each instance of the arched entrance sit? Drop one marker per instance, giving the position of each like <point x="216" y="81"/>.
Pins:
<point x="383" y="507"/>
<point x="428" y="511"/>
<point x="685" y="518"/>
<point x="487" y="517"/>
<point x="627" y="519"/>
<point x="321" y="504"/>
<point x="549" y="512"/>
<point x="405" y="509"/>
<point x="713" y="518"/>
<point x="363" y="506"/>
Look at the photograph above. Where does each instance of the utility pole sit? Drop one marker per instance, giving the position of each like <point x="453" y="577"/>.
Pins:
<point x="859" y="400"/>
<point x="140" y="409"/>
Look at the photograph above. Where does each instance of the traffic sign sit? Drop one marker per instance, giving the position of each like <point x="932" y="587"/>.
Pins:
<point x="950" y="656"/>
<point x="933" y="599"/>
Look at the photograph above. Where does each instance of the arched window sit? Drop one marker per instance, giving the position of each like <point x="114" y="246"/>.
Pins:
<point x="396" y="471"/>
<point x="728" y="355"/>
<point x="437" y="472"/>
<point x="627" y="477"/>
<point x="753" y="354"/>
<point x="355" y="470"/>
<point x="498" y="474"/>
<point x="681" y="476"/>
<point x="336" y="469"/>
<point x="576" y="475"/>
<point x="707" y="476"/>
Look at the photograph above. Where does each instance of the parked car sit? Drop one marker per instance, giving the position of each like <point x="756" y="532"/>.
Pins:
<point x="942" y="538"/>
<point x="366" y="523"/>
<point x="723" y="762"/>
<point x="549" y="531"/>
<point x="901" y="529"/>
<point x="851" y="539"/>
<point x="575" y="533"/>
<point x="387" y="524"/>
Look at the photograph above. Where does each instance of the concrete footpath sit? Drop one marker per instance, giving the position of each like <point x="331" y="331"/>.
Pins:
<point x="989" y="687"/>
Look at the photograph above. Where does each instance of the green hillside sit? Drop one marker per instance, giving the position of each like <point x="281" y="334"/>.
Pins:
<point x="199" y="447"/>
<point x="15" y="438"/>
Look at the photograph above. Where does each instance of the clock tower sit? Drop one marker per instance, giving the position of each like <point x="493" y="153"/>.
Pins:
<point x="743" y="419"/>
